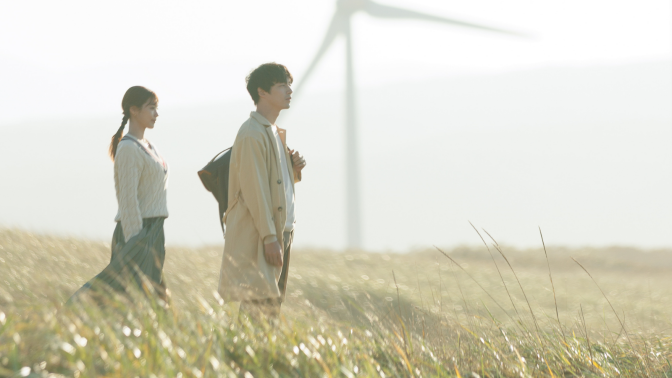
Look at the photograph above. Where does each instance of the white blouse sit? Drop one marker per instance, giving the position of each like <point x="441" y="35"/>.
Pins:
<point x="141" y="181"/>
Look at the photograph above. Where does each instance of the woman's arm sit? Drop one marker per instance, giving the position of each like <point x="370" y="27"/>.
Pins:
<point x="127" y="170"/>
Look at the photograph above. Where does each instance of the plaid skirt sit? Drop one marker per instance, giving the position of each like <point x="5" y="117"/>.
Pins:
<point x="140" y="259"/>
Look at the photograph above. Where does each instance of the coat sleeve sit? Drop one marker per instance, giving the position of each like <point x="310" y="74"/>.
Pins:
<point x="254" y="184"/>
<point x="127" y="170"/>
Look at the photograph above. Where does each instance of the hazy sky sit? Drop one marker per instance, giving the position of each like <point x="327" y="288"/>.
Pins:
<point x="200" y="51"/>
<point x="507" y="141"/>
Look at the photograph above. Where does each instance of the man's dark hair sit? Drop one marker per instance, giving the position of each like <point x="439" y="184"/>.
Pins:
<point x="266" y="76"/>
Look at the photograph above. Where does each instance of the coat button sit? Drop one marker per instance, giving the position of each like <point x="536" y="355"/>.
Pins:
<point x="280" y="208"/>
<point x="279" y="181"/>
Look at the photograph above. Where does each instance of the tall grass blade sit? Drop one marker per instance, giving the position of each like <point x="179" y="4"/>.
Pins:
<point x="550" y="276"/>
<point x="498" y="271"/>
<point x="612" y="308"/>
<point x="475" y="281"/>
<point x="534" y="318"/>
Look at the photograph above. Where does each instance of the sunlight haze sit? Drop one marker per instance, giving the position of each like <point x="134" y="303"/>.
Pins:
<point x="568" y="129"/>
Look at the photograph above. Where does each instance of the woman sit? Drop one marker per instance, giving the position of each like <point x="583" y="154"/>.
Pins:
<point x="140" y="178"/>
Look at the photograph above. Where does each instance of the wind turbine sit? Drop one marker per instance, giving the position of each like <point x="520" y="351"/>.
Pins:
<point x="340" y="25"/>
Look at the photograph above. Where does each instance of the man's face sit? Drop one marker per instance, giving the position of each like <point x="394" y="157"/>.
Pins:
<point x="279" y="96"/>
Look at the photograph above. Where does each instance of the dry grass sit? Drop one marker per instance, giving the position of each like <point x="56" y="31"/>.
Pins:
<point x="346" y="316"/>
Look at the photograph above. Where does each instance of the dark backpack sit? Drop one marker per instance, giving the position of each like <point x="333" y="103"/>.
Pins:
<point x="215" y="178"/>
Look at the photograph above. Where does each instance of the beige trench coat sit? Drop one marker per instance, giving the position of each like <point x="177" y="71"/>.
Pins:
<point x="256" y="212"/>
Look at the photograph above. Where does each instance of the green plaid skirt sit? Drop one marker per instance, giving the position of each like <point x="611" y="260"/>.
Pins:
<point x="140" y="259"/>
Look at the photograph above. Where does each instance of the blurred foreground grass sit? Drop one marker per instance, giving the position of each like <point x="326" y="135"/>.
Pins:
<point x="345" y="316"/>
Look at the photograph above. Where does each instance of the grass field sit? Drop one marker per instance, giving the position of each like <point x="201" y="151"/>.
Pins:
<point x="346" y="315"/>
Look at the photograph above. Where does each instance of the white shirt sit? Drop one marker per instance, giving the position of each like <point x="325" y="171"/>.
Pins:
<point x="287" y="181"/>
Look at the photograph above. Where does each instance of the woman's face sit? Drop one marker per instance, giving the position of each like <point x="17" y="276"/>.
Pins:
<point x="146" y="116"/>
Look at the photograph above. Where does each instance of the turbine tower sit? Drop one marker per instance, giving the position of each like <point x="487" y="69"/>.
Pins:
<point x="340" y="25"/>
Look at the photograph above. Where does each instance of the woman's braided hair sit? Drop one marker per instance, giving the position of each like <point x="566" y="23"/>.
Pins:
<point x="134" y="96"/>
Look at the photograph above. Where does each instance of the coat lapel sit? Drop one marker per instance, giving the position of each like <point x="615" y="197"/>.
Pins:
<point x="274" y="142"/>
<point x="278" y="149"/>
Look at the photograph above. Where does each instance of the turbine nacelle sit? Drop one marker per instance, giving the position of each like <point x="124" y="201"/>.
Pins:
<point x="348" y="7"/>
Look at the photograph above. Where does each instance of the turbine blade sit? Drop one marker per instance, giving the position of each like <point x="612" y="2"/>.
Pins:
<point x="335" y="28"/>
<point x="386" y="11"/>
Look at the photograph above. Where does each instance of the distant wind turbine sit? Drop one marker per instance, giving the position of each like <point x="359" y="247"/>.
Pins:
<point x="340" y="24"/>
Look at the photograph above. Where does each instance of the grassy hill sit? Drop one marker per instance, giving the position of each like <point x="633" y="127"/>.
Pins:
<point x="347" y="314"/>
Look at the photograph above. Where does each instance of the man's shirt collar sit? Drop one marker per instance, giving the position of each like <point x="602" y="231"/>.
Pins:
<point x="261" y="119"/>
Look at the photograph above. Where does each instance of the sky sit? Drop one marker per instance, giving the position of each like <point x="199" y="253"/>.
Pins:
<point x="65" y="65"/>
<point x="196" y="52"/>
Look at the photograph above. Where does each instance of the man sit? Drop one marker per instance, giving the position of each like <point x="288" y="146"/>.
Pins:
<point x="260" y="215"/>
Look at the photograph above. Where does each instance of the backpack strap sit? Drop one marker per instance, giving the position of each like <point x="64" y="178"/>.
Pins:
<point x="216" y="156"/>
